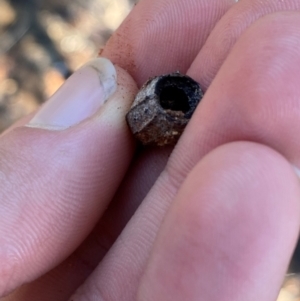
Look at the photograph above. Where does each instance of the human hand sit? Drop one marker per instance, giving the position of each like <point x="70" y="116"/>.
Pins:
<point x="222" y="218"/>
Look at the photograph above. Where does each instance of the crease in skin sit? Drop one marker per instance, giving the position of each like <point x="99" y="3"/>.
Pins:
<point x="297" y="171"/>
<point x="227" y="32"/>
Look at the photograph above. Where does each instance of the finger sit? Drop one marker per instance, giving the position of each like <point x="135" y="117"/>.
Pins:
<point x="146" y="52"/>
<point x="233" y="226"/>
<point x="246" y="99"/>
<point x="142" y="39"/>
<point x="166" y="41"/>
<point x="147" y="41"/>
<point x="62" y="281"/>
<point x="163" y="36"/>
<point x="54" y="169"/>
<point x="245" y="102"/>
<point x="171" y="36"/>
<point x="228" y="30"/>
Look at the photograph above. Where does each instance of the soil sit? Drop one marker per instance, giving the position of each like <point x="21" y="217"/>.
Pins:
<point x="43" y="42"/>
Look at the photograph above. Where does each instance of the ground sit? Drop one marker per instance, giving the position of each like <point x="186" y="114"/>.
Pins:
<point x="42" y="42"/>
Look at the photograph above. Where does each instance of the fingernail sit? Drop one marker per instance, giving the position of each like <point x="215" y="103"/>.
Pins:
<point x="81" y="96"/>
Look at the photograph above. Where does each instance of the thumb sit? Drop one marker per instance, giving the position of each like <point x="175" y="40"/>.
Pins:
<point x="59" y="171"/>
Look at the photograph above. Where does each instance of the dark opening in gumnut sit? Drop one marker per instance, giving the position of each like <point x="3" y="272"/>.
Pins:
<point x="178" y="92"/>
<point x="163" y="107"/>
<point x="173" y="98"/>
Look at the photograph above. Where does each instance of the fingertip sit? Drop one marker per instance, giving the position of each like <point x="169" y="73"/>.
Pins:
<point x="233" y="225"/>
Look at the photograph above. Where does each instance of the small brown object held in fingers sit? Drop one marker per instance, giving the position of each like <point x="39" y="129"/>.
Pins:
<point x="162" y="108"/>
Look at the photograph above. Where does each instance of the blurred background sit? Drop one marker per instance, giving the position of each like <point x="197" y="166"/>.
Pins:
<point x="43" y="41"/>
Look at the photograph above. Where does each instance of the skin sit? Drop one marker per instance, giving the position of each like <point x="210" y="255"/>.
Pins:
<point x="217" y="216"/>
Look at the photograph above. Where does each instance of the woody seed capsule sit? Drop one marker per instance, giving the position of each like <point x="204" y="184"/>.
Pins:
<point x="162" y="108"/>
